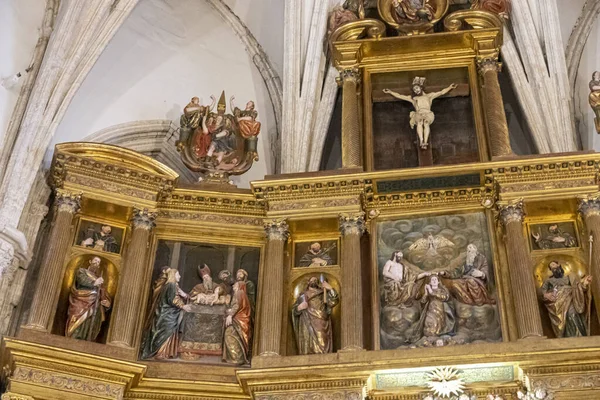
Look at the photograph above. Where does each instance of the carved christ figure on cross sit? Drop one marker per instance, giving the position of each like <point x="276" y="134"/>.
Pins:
<point x="422" y="117"/>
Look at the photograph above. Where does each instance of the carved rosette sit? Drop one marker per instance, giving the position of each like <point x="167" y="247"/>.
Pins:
<point x="277" y="229"/>
<point x="352" y="224"/>
<point x="486" y="64"/>
<point x="589" y="205"/>
<point x="512" y="212"/>
<point x="143" y="219"/>
<point x="68" y="202"/>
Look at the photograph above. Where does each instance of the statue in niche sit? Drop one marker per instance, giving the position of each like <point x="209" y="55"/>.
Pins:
<point x="412" y="11"/>
<point x="161" y="339"/>
<point x="422" y="117"/>
<point x="101" y="241"/>
<point x="556" y="238"/>
<point x="437" y="315"/>
<point x="219" y="144"/>
<point x="566" y="301"/>
<point x="311" y="317"/>
<point x="316" y="256"/>
<point x="238" y="326"/>
<point x="88" y="303"/>
<point x="401" y="282"/>
<point x="467" y="282"/>
<point x="595" y="98"/>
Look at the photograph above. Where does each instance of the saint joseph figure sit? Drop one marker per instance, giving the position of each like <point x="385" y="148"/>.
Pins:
<point x="88" y="303"/>
<point x="311" y="318"/>
<point x="422" y="117"/>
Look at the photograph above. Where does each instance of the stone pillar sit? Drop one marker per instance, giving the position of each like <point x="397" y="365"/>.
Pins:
<point x="130" y="291"/>
<point x="352" y="226"/>
<point x="351" y="138"/>
<point x="589" y="207"/>
<point x="269" y="336"/>
<point x="43" y="306"/>
<point x="498" y="136"/>
<point x="529" y="323"/>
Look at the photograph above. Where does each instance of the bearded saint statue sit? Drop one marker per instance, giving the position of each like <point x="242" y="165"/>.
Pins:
<point x="468" y="282"/>
<point x="565" y="300"/>
<point x="311" y="318"/>
<point x="88" y="303"/>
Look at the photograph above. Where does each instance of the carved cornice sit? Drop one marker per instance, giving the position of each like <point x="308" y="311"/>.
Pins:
<point x="67" y="202"/>
<point x="352" y="224"/>
<point x="277" y="229"/>
<point x="421" y="199"/>
<point x="143" y="219"/>
<point x="308" y="188"/>
<point x="96" y="168"/>
<point x="210" y="218"/>
<point x="511" y="212"/>
<point x="194" y="201"/>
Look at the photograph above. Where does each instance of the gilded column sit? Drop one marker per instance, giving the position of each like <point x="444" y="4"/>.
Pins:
<point x="269" y="335"/>
<point x="494" y="108"/>
<point x="589" y="207"/>
<point x="352" y="226"/>
<point x="130" y="292"/>
<point x="43" y="306"/>
<point x="351" y="138"/>
<point x="529" y="323"/>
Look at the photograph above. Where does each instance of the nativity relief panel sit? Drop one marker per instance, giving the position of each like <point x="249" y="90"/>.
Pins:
<point x="436" y="282"/>
<point x="202" y="303"/>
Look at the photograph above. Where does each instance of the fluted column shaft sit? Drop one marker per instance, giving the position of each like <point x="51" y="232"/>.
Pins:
<point x="351" y="228"/>
<point x="351" y="139"/>
<point x="130" y="292"/>
<point x="590" y="210"/>
<point x="529" y="323"/>
<point x="269" y="336"/>
<point x="494" y="108"/>
<point x="43" y="306"/>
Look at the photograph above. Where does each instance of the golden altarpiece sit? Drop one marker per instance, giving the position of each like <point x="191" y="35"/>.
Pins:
<point x="435" y="264"/>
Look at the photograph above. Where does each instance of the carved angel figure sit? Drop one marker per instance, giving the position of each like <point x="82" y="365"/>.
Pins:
<point x="431" y="244"/>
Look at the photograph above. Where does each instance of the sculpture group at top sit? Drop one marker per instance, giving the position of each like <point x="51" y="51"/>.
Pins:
<point x="219" y="144"/>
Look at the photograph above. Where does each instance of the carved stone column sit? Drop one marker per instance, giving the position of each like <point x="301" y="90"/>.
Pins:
<point x="494" y="108"/>
<point x="43" y="306"/>
<point x="130" y="292"/>
<point x="351" y="138"/>
<point x="269" y="336"/>
<point x="352" y="227"/>
<point x="589" y="207"/>
<point x="529" y="323"/>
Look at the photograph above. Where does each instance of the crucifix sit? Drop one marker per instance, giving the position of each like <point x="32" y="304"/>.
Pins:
<point x="422" y="117"/>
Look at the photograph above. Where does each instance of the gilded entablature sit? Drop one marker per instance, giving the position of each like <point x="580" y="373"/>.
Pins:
<point x="96" y="169"/>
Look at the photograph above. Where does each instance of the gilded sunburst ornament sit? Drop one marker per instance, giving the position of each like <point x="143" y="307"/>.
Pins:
<point x="445" y="382"/>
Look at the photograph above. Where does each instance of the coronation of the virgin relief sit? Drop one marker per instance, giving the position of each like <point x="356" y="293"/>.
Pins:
<point x="377" y="206"/>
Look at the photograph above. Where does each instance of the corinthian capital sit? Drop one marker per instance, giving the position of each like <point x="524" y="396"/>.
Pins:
<point x="352" y="224"/>
<point x="143" y="219"/>
<point x="589" y="204"/>
<point x="512" y="212"/>
<point x="349" y="74"/>
<point x="68" y="202"/>
<point x="277" y="229"/>
<point x="488" y="63"/>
